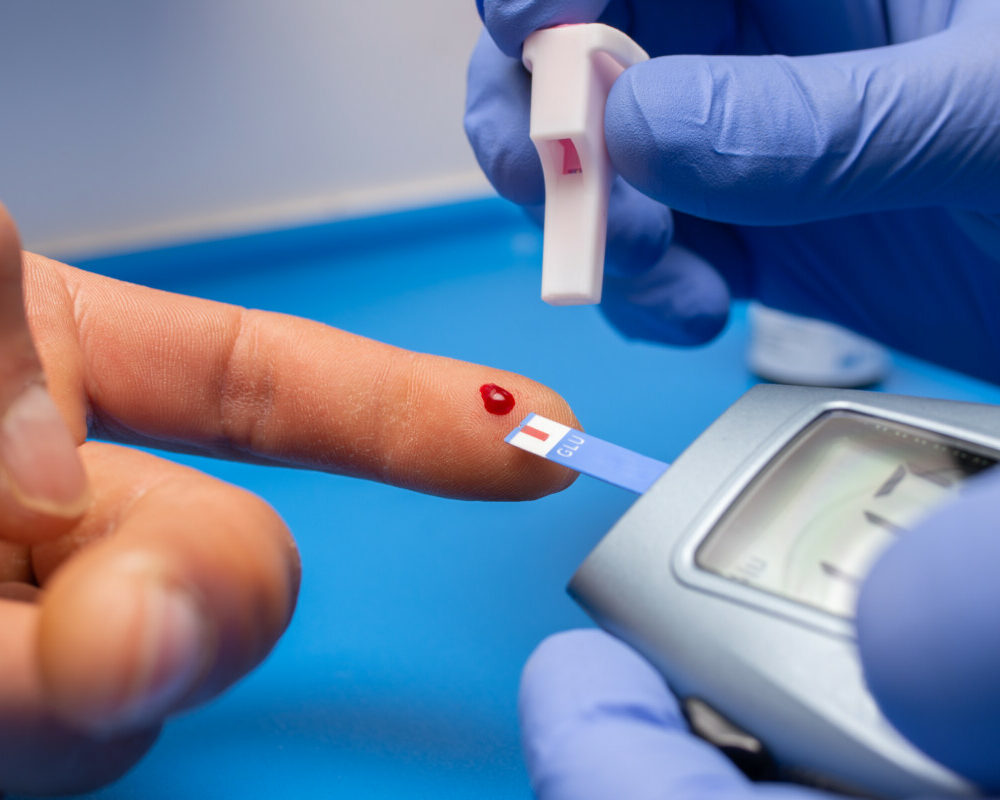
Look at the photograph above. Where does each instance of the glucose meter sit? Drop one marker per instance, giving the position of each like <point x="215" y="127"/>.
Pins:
<point x="736" y="572"/>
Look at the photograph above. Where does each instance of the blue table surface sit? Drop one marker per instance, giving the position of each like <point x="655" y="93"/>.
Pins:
<point x="398" y="676"/>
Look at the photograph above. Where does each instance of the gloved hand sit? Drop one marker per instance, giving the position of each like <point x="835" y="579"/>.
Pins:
<point x="599" y="723"/>
<point x="854" y="178"/>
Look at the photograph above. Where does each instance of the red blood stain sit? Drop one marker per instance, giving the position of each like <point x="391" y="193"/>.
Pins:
<point x="496" y="399"/>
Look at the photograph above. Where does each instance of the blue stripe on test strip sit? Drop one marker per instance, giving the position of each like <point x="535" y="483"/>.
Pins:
<point x="585" y="453"/>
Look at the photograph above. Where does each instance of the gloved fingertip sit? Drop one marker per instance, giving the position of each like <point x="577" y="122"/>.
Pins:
<point x="779" y="140"/>
<point x="680" y="301"/>
<point x="585" y="671"/>
<point x="650" y="325"/>
<point x="497" y="121"/>
<point x="641" y="149"/>
<point x="516" y="173"/>
<point x="598" y="721"/>
<point x="639" y="230"/>
<point x="927" y="636"/>
<point x="591" y="714"/>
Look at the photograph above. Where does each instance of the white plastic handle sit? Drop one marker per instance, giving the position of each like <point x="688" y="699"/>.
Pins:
<point x="573" y="68"/>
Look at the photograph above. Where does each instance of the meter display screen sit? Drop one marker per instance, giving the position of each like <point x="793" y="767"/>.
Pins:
<point x="809" y="526"/>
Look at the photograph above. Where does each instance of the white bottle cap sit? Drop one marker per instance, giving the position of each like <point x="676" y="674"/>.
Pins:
<point x="573" y="68"/>
<point x="786" y="348"/>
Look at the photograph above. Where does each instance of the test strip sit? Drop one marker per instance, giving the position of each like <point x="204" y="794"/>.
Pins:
<point x="585" y="453"/>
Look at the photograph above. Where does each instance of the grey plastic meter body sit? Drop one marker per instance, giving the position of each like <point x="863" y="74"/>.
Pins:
<point x="736" y="573"/>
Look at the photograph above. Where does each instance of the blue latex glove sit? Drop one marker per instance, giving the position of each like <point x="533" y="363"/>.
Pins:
<point x="599" y="723"/>
<point x="855" y="178"/>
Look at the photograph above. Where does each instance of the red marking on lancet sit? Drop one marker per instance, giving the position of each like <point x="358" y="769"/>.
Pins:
<point x="571" y="158"/>
<point x="535" y="432"/>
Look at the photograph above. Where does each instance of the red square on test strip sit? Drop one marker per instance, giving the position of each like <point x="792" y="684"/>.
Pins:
<point x="535" y="432"/>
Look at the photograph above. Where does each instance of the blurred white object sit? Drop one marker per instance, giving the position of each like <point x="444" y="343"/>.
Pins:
<point x="786" y="348"/>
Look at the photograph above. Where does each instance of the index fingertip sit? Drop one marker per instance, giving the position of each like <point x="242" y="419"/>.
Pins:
<point x="464" y="453"/>
<point x="533" y="477"/>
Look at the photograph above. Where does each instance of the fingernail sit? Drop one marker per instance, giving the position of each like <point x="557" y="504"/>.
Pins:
<point x="38" y="456"/>
<point x="172" y="654"/>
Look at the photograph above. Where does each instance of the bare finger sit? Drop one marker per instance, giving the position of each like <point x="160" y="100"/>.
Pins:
<point x="194" y="375"/>
<point x="42" y="484"/>
<point x="187" y="587"/>
<point x="38" y="753"/>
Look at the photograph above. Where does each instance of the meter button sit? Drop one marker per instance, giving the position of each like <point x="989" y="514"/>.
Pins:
<point x="743" y="749"/>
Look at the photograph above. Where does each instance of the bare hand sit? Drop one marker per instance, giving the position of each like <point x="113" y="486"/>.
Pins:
<point x="132" y="587"/>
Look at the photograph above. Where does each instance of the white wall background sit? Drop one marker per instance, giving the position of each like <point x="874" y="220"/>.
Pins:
<point x="126" y="123"/>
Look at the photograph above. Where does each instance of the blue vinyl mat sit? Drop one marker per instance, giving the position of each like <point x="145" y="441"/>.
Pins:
<point x="398" y="676"/>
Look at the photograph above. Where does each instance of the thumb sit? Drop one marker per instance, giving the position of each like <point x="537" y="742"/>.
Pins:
<point x="929" y="639"/>
<point x="42" y="483"/>
<point x="778" y="140"/>
<point x="598" y="721"/>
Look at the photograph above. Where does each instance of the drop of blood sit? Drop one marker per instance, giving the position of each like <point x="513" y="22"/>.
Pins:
<point x="496" y="399"/>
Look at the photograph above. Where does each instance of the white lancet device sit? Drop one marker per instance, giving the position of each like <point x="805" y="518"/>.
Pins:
<point x="572" y="69"/>
<point x="736" y="572"/>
